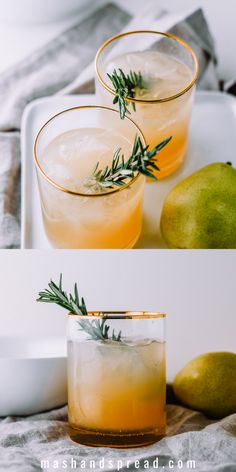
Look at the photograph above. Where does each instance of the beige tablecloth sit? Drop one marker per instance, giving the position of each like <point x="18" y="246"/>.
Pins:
<point x="41" y="442"/>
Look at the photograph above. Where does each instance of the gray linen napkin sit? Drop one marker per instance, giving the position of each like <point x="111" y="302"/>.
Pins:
<point x="196" y="33"/>
<point x="26" y="442"/>
<point x="53" y="68"/>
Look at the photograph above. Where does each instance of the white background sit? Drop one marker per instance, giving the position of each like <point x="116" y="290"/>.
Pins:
<point x="196" y="289"/>
<point x="17" y="41"/>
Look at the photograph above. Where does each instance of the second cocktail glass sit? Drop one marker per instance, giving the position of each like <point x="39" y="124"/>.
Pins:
<point x="169" y="69"/>
<point x="67" y="149"/>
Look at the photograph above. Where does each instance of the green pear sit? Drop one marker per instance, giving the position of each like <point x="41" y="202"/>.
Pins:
<point x="200" y="211"/>
<point x="208" y="384"/>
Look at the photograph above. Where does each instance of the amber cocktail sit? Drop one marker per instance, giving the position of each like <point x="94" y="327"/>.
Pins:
<point x="116" y="389"/>
<point x="76" y="214"/>
<point x="169" y="69"/>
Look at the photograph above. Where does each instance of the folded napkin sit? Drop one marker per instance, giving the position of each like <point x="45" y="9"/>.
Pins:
<point x="64" y="66"/>
<point x="41" y="442"/>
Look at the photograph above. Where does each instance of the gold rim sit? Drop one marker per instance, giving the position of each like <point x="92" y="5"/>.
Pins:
<point x="64" y="189"/>
<point x="168" y="35"/>
<point x="122" y="315"/>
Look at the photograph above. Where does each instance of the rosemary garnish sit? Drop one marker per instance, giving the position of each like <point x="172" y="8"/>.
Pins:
<point x="141" y="160"/>
<point x="125" y="86"/>
<point x="97" y="329"/>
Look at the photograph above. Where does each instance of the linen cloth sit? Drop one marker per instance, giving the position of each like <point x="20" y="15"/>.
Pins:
<point x="26" y="442"/>
<point x="60" y="67"/>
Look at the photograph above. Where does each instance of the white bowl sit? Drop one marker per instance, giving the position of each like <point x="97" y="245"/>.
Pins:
<point x="32" y="375"/>
<point x="39" y="11"/>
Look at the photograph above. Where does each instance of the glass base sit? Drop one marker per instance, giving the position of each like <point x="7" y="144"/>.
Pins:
<point x="54" y="245"/>
<point x="133" y="242"/>
<point x="115" y="440"/>
<point x="169" y="168"/>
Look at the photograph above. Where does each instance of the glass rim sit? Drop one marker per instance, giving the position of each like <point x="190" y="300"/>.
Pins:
<point x="168" y="35"/>
<point x="120" y="315"/>
<point x="65" y="189"/>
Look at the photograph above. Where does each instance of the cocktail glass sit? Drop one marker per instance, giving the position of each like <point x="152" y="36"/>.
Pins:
<point x="117" y="389"/>
<point x="67" y="149"/>
<point x="169" y="68"/>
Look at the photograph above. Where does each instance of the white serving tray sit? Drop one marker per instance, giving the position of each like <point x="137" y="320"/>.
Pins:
<point x="212" y="139"/>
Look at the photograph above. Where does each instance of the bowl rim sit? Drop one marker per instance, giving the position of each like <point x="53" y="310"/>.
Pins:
<point x="21" y="341"/>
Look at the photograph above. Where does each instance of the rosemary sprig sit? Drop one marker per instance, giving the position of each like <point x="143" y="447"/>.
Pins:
<point x="141" y="160"/>
<point x="97" y="329"/>
<point x="125" y="86"/>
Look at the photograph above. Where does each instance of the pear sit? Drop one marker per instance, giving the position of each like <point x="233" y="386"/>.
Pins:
<point x="200" y="211"/>
<point x="208" y="384"/>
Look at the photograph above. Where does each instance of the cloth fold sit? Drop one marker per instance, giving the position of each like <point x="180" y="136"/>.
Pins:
<point x="10" y="194"/>
<point x="41" y="442"/>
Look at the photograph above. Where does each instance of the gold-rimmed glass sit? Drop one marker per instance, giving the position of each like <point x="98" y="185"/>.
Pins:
<point x="66" y="151"/>
<point x="170" y="69"/>
<point x="117" y="389"/>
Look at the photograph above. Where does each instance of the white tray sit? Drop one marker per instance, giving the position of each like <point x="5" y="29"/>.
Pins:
<point x="212" y="138"/>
